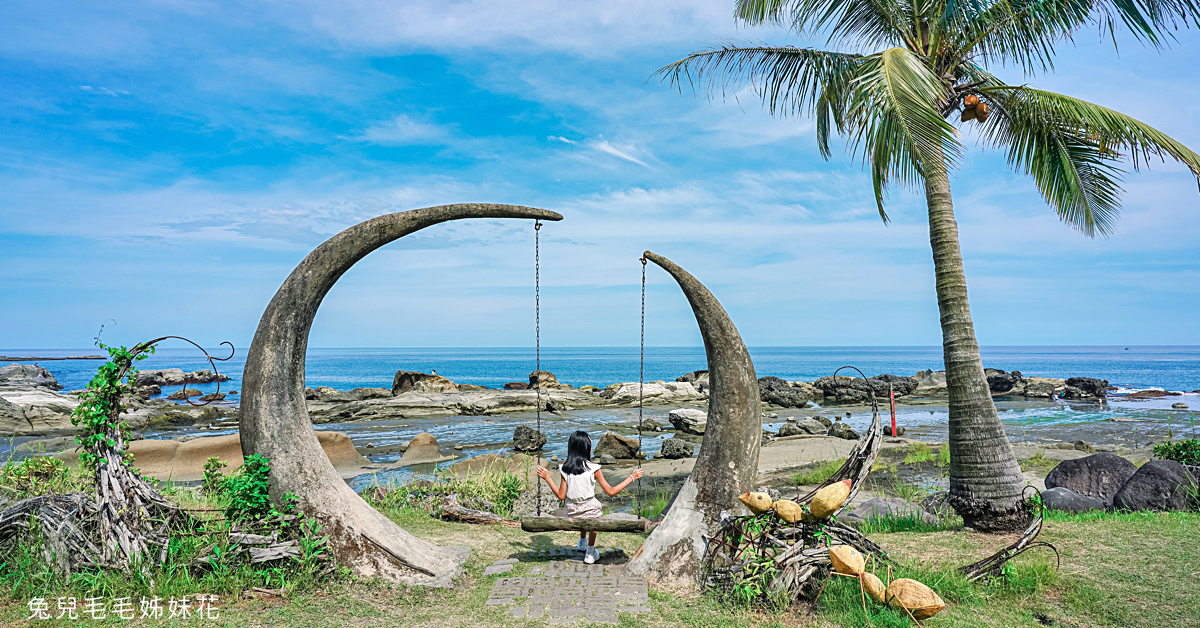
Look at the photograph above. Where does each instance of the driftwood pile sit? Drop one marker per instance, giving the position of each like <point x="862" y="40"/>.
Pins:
<point x="264" y="541"/>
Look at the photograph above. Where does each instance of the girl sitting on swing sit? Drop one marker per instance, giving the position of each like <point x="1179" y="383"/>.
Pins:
<point x="578" y="488"/>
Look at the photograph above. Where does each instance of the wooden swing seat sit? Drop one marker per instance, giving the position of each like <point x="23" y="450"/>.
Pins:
<point x="558" y="520"/>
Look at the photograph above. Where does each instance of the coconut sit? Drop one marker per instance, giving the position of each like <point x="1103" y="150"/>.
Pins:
<point x="847" y="560"/>
<point x="919" y="599"/>
<point x="758" y="503"/>
<point x="789" y="510"/>
<point x="967" y="114"/>
<point x="971" y="100"/>
<point x="873" y="586"/>
<point x="829" y="499"/>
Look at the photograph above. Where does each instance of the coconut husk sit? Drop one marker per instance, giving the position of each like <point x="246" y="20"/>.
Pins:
<point x="829" y="499"/>
<point x="789" y="510"/>
<point x="967" y="114"/>
<point x="971" y="100"/>
<point x="847" y="560"/>
<point x="919" y="599"/>
<point x="758" y="503"/>
<point x="873" y="586"/>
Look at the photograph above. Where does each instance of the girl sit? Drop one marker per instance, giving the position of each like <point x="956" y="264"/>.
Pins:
<point x="578" y="488"/>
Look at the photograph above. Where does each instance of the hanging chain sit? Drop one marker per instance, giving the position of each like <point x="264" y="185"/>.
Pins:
<point x="641" y="384"/>
<point x="537" y="318"/>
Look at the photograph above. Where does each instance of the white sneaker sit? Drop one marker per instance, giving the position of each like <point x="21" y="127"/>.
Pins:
<point x="591" y="556"/>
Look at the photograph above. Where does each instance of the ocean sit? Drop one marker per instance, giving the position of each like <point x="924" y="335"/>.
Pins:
<point x="1175" y="368"/>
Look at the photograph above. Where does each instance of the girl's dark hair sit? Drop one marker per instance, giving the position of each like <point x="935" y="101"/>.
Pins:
<point x="579" y="451"/>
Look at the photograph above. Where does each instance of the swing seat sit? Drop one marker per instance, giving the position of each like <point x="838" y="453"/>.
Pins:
<point x="559" y="521"/>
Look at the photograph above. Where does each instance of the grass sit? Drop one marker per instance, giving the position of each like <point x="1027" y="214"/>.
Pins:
<point x="1038" y="463"/>
<point x="943" y="456"/>
<point x="918" y="452"/>
<point x="816" y="473"/>
<point x="652" y="504"/>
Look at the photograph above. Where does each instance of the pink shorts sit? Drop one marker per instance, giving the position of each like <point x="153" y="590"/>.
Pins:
<point x="586" y="509"/>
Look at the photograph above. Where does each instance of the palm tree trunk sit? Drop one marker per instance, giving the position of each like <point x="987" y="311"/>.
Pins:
<point x="985" y="479"/>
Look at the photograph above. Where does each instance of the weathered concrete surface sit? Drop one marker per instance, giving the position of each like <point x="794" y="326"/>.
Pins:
<point x="275" y="420"/>
<point x="728" y="453"/>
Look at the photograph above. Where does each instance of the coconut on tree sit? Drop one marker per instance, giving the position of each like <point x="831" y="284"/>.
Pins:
<point x="898" y="107"/>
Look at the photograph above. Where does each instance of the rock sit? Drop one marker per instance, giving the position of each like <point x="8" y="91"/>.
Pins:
<point x="526" y="438"/>
<point x="938" y="505"/>
<point x="213" y="397"/>
<point x="358" y="394"/>
<point x="675" y="448"/>
<point x="843" y="389"/>
<point x="1151" y="394"/>
<point x="1066" y="500"/>
<point x="802" y="427"/>
<point x="545" y="380"/>
<point x="27" y="376"/>
<point x="1157" y="485"/>
<point x="1089" y="386"/>
<point x="1179" y="405"/>
<point x="617" y="446"/>
<point x="886" y="507"/>
<point x="887" y="430"/>
<point x="177" y="377"/>
<point x="416" y="381"/>
<point x="695" y="377"/>
<point x="1065" y="446"/>
<point x="689" y="420"/>
<point x="900" y="384"/>
<point x="310" y="394"/>
<point x="823" y="421"/>
<point x="1099" y="476"/>
<point x="146" y="392"/>
<point x="554" y="405"/>
<point x="930" y="384"/>
<point x="1043" y="387"/>
<point x="777" y="392"/>
<point x="1083" y="445"/>
<point x="422" y="449"/>
<point x="841" y="430"/>
<point x="607" y="459"/>
<point x="516" y="386"/>
<point x="588" y="388"/>
<point x="650" y="425"/>
<point x="184" y="394"/>
<point x="1000" y="382"/>
<point x="653" y="393"/>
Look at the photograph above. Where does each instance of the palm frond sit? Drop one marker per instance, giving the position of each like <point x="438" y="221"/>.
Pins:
<point x="870" y="23"/>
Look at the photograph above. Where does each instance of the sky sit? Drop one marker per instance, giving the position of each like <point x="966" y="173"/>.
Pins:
<point x="165" y="164"/>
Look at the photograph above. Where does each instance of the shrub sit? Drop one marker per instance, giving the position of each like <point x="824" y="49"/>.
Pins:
<point x="247" y="491"/>
<point x="213" y="482"/>
<point x="1183" y="451"/>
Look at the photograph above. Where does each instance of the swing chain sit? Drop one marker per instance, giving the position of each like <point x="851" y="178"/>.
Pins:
<point x="537" y="316"/>
<point x="641" y="384"/>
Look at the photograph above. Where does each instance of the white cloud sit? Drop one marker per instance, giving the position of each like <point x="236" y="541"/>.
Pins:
<point x="621" y="151"/>
<point x="556" y="138"/>
<point x="404" y="130"/>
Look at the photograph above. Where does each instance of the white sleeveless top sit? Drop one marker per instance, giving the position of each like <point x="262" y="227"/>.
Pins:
<point x="582" y="486"/>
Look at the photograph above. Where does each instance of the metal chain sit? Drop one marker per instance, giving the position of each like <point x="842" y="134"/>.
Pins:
<point x="641" y="384"/>
<point x="537" y="317"/>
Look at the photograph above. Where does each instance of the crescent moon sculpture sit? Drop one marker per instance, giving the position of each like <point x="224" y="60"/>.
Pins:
<point x="728" y="453"/>
<point x="275" y="421"/>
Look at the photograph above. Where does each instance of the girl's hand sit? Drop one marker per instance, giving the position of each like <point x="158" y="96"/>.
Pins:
<point x="636" y="474"/>
<point x="543" y="473"/>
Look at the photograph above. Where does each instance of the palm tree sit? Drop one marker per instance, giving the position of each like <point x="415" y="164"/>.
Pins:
<point x="896" y="107"/>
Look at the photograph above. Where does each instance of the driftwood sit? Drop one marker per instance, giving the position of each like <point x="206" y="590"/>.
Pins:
<point x="452" y="511"/>
<point x="992" y="566"/>
<point x="603" y="524"/>
<point x="67" y="524"/>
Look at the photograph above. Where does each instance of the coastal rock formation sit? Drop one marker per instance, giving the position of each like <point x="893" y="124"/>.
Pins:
<point x="617" y="446"/>
<point x="526" y="438"/>
<point x="675" y="448"/>
<point x="886" y="508"/>
<point x="689" y="420"/>
<point x="810" y="392"/>
<point x="1099" y="476"/>
<point x="1066" y="500"/>
<point x="358" y="394"/>
<point x="422" y="449"/>
<point x="545" y="380"/>
<point x="184" y="394"/>
<point x="900" y="384"/>
<point x="1157" y="485"/>
<point x="409" y="381"/>
<point x="698" y="378"/>
<point x="841" y="430"/>
<point x="183" y="461"/>
<point x="802" y="427"/>
<point x="843" y="390"/>
<point x="34" y="411"/>
<point x="1043" y="387"/>
<point x="777" y="392"/>
<point x="1088" y="387"/>
<point x="516" y="386"/>
<point x="653" y="392"/>
<point x="1002" y="382"/>
<point x="650" y="425"/>
<point x="27" y="376"/>
<point x="930" y="384"/>
<point x="177" y="377"/>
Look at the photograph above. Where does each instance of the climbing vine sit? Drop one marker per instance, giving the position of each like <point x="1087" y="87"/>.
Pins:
<point x="99" y="411"/>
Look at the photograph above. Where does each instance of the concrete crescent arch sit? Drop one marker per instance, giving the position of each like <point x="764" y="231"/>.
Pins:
<point x="275" y="421"/>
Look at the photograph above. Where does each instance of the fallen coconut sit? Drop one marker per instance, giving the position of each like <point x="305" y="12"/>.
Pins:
<point x="829" y="499"/>
<point x="847" y="560"/>
<point x="919" y="599"/>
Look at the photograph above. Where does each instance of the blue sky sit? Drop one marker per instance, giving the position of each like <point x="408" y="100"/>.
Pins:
<point x="166" y="164"/>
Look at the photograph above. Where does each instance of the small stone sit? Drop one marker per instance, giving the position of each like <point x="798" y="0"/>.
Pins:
<point x="495" y="569"/>
<point x="607" y="459"/>
<point x="1083" y="445"/>
<point x="887" y="430"/>
<point x="1179" y="405"/>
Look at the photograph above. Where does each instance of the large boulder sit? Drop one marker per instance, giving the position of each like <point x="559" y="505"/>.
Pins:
<point x="930" y="384"/>
<point x="422" y="449"/>
<point x="900" y="384"/>
<point x="841" y="430"/>
<point x="177" y="377"/>
<point x="886" y="508"/>
<point x="802" y="427"/>
<point x="689" y="420"/>
<point x="1158" y="485"/>
<point x="617" y="446"/>
<point x="1099" y="476"/>
<point x="675" y="448"/>
<point x="778" y="392"/>
<point x="652" y="393"/>
<point x="526" y="438"/>
<point x="1066" y="500"/>
<point x="1002" y="382"/>
<point x="33" y="411"/>
<point x="1043" y="387"/>
<point x="27" y="376"/>
<point x="545" y="380"/>
<point x="698" y="378"/>
<point x="1090" y="386"/>
<point x="843" y="389"/>
<point x="416" y="381"/>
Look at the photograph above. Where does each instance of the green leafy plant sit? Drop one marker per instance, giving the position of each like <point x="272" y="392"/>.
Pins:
<point x="99" y="410"/>
<point x="213" y="480"/>
<point x="1183" y="451"/>
<point x="247" y="491"/>
<point x="816" y="473"/>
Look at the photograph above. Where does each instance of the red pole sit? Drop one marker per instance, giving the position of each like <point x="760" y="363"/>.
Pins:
<point x="892" y="398"/>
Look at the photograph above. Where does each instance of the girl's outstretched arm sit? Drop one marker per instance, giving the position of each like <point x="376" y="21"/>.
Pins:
<point x="559" y="491"/>
<point x="613" y="490"/>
